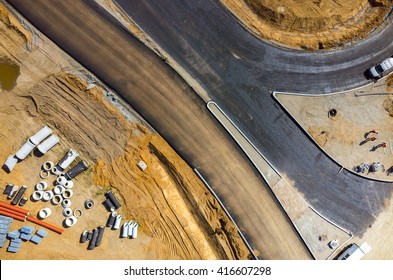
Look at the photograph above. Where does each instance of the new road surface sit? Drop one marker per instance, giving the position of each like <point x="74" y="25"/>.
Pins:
<point x="239" y="72"/>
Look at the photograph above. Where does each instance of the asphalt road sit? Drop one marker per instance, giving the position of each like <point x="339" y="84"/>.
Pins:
<point x="239" y="72"/>
<point x="162" y="97"/>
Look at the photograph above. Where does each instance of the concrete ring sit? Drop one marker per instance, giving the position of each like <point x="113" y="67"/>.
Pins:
<point x="46" y="196"/>
<point x="70" y="221"/>
<point x="44" y="174"/>
<point x="66" y="203"/>
<point x="78" y="213"/>
<point x="41" y="186"/>
<point x="57" y="199"/>
<point x="47" y="166"/>
<point x="67" y="212"/>
<point x="68" y="193"/>
<point x="37" y="195"/>
<point x="89" y="203"/>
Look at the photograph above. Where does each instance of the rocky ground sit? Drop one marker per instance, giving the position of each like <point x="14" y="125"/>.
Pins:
<point x="179" y="218"/>
<point x="311" y="24"/>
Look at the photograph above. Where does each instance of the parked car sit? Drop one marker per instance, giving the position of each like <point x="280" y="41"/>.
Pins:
<point x="379" y="70"/>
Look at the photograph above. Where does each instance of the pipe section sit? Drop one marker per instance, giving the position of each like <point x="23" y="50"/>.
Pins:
<point x="111" y="219"/>
<point x="10" y="163"/>
<point x="68" y="158"/>
<point x="92" y="243"/>
<point x="109" y="205"/>
<point x="117" y="222"/>
<point x="37" y="195"/>
<point x="8" y="189"/>
<point x="48" y="144"/>
<point x="99" y="237"/>
<point x="12" y="215"/>
<point x="83" y="238"/>
<point x="40" y="135"/>
<point x="41" y="186"/>
<point x="25" y="150"/>
<point x="77" y="169"/>
<point x="47" y="166"/>
<point x="13" y="191"/>
<point x="70" y="221"/>
<point x="113" y="199"/>
<point x="44" y="213"/>
<point x="18" y="196"/>
<point x="45" y="225"/>
<point x="14" y="208"/>
<point x="124" y="229"/>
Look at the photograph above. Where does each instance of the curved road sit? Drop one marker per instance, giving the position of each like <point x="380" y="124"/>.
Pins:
<point x="239" y="72"/>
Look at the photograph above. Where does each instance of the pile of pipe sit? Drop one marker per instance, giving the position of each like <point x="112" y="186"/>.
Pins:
<point x="130" y="230"/>
<point x="42" y="140"/>
<point x="93" y="236"/>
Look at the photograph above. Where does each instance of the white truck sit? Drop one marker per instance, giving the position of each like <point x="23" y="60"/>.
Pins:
<point x="355" y="252"/>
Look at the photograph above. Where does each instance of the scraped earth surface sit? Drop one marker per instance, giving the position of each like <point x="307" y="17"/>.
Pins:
<point x="311" y="24"/>
<point x="178" y="217"/>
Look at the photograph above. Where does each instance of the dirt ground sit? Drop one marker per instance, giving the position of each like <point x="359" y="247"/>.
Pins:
<point x="179" y="218"/>
<point x="310" y="24"/>
<point x="343" y="138"/>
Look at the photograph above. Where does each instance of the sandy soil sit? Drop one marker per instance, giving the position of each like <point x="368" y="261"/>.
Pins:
<point x="179" y="218"/>
<point x="310" y="24"/>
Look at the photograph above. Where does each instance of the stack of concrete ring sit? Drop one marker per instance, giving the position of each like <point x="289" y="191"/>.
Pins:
<point x="62" y="191"/>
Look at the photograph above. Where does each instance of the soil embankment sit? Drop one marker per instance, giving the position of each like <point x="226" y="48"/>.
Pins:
<point x="311" y="24"/>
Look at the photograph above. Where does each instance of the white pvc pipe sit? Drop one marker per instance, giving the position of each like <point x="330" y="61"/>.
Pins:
<point x="130" y="226"/>
<point x="13" y="191"/>
<point x="66" y="203"/>
<point x="69" y="184"/>
<point x="47" y="196"/>
<point x="47" y="166"/>
<point x="40" y="135"/>
<point x="58" y="189"/>
<point x="67" y="212"/>
<point x="61" y="180"/>
<point x="134" y="231"/>
<point x="57" y="199"/>
<point x="37" y="195"/>
<point x="48" y="144"/>
<point x="68" y="159"/>
<point x="68" y="193"/>
<point x="124" y="232"/>
<point x="117" y="222"/>
<point x="11" y="162"/>
<point x="25" y="150"/>
<point x="44" y="213"/>
<point x="41" y="186"/>
<point x="70" y="221"/>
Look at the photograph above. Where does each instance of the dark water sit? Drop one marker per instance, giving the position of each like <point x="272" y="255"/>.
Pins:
<point x="9" y="73"/>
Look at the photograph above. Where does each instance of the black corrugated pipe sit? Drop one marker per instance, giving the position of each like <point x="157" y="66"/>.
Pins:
<point x="111" y="220"/>
<point x="18" y="195"/>
<point x="109" y="205"/>
<point x="92" y="243"/>
<point x="83" y="238"/>
<point x="100" y="234"/>
<point x="76" y="170"/>
<point x="8" y="189"/>
<point x="113" y="199"/>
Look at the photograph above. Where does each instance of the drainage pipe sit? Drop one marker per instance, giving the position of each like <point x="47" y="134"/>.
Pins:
<point x="68" y="158"/>
<point x="45" y="225"/>
<point x="25" y="150"/>
<point x="8" y="189"/>
<point x="111" y="219"/>
<point x="12" y="215"/>
<point x="92" y="243"/>
<point x="40" y="135"/>
<point x="109" y="205"/>
<point x="48" y="144"/>
<point x="13" y="191"/>
<point x="10" y="163"/>
<point x="130" y="226"/>
<point x="100" y="234"/>
<point x="113" y="199"/>
<point x="77" y="169"/>
<point x="84" y="236"/>
<point x="18" y="196"/>
<point x="134" y="231"/>
<point x="124" y="230"/>
<point x="12" y="212"/>
<point x="14" y="208"/>
<point x="117" y="222"/>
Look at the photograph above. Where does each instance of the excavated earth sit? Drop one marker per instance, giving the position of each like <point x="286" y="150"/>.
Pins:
<point x="311" y="24"/>
<point x="178" y="216"/>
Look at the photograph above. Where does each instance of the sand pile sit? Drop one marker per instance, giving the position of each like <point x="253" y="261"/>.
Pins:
<point x="179" y="218"/>
<point x="311" y="24"/>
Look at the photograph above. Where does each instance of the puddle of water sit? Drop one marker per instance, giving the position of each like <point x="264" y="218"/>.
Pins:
<point x="8" y="75"/>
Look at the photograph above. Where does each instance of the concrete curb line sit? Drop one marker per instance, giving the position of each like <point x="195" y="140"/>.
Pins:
<point x="226" y="212"/>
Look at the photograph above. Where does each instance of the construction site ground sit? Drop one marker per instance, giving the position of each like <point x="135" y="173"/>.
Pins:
<point x="310" y="24"/>
<point x="343" y="136"/>
<point x="178" y="217"/>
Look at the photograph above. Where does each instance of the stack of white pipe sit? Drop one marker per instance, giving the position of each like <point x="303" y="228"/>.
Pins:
<point x="30" y="144"/>
<point x="130" y="229"/>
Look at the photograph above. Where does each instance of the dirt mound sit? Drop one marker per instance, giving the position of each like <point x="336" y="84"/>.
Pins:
<point x="311" y="24"/>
